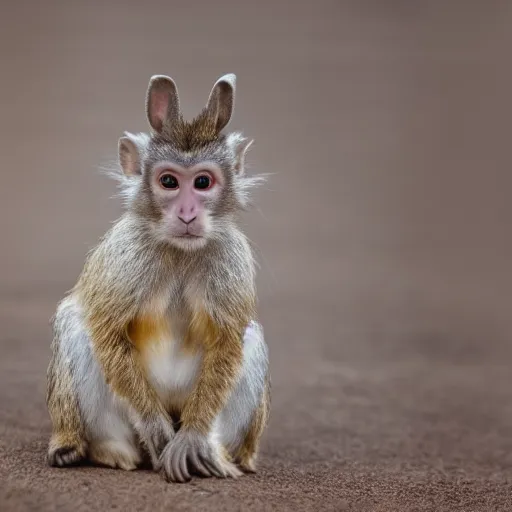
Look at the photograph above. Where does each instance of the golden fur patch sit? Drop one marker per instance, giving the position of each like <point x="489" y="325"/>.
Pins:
<point x="148" y="330"/>
<point x="202" y="329"/>
<point x="222" y="361"/>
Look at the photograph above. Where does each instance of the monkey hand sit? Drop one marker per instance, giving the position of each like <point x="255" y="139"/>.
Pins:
<point x="191" y="451"/>
<point x="156" y="433"/>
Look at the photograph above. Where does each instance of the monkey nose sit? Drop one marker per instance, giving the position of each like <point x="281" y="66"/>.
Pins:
<point x="187" y="219"/>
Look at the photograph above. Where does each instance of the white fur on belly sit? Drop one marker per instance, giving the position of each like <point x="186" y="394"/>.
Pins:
<point x="169" y="368"/>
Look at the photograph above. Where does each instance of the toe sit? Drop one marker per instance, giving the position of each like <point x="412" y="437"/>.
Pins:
<point x="198" y="465"/>
<point x="248" y="466"/>
<point x="64" y="456"/>
<point x="183" y="465"/>
<point x="213" y="468"/>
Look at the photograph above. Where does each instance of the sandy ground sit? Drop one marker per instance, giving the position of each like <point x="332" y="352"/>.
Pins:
<point x="383" y="237"/>
<point x="378" y="422"/>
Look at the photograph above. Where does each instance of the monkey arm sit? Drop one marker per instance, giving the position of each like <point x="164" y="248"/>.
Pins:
<point x="222" y="360"/>
<point x="110" y="303"/>
<point x="222" y="307"/>
<point x="124" y="374"/>
<point x="109" y="294"/>
<point x="119" y="360"/>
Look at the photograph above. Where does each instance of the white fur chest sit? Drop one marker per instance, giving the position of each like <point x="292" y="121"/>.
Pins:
<point x="171" y="364"/>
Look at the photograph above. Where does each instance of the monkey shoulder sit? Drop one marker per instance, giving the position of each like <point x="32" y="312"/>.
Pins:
<point x="120" y="267"/>
<point x="231" y="262"/>
<point x="226" y="282"/>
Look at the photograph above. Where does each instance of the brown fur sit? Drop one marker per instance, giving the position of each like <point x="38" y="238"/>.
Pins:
<point x="222" y="361"/>
<point x="109" y="309"/>
<point x="148" y="328"/>
<point x="191" y="135"/>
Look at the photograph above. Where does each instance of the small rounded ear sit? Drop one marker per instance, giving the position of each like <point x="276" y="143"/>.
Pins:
<point x="240" y="154"/>
<point x="221" y="101"/>
<point x="162" y="102"/>
<point x="239" y="146"/>
<point x="129" y="154"/>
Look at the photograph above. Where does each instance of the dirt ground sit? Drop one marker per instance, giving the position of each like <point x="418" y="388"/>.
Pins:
<point x="383" y="238"/>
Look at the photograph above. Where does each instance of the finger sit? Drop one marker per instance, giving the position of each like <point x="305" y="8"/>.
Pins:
<point x="166" y="462"/>
<point x="175" y="464"/>
<point x="214" y="468"/>
<point x="183" y="464"/>
<point x="68" y="457"/>
<point x="233" y="471"/>
<point x="198" y="465"/>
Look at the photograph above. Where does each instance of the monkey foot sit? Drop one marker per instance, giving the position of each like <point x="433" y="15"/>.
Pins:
<point x="248" y="465"/>
<point x="112" y="455"/>
<point x="65" y="456"/>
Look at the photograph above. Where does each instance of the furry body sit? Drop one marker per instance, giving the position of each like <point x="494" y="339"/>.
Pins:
<point x="169" y="353"/>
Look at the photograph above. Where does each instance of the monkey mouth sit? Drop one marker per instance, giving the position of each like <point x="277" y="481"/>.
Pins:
<point x="188" y="235"/>
<point x="188" y="241"/>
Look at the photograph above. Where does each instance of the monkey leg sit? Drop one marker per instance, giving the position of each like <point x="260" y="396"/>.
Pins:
<point x="88" y="421"/>
<point x="114" y="454"/>
<point x="247" y="453"/>
<point x="242" y="422"/>
<point x="67" y="444"/>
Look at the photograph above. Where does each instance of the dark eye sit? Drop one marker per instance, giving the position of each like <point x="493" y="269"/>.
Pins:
<point x="169" y="181"/>
<point x="202" y="182"/>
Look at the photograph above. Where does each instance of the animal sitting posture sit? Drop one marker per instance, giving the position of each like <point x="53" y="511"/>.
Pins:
<point x="157" y="351"/>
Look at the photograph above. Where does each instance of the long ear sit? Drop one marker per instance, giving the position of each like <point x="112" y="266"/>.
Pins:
<point x="130" y="149"/>
<point x="221" y="101"/>
<point x="162" y="102"/>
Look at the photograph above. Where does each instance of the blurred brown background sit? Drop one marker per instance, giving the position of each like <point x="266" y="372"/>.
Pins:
<point x="384" y="235"/>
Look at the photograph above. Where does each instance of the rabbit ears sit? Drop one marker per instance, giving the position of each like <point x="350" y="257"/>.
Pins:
<point x="163" y="105"/>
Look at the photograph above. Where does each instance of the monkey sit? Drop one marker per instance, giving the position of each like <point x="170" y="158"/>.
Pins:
<point x="157" y="349"/>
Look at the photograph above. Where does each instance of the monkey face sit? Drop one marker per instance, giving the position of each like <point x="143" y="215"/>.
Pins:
<point x="188" y="202"/>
